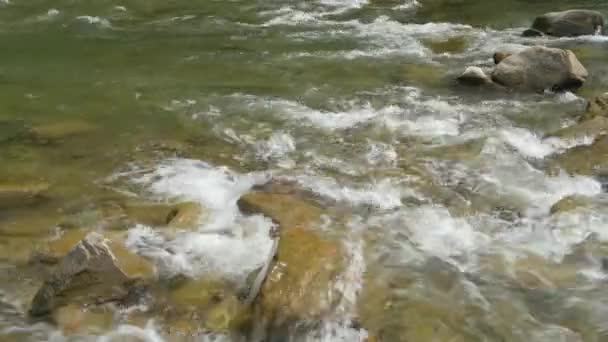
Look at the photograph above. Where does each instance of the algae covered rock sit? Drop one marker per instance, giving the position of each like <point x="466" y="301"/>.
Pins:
<point x="570" y="204"/>
<point x="596" y="107"/>
<point x="95" y="270"/>
<point x="22" y="194"/>
<point x="298" y="286"/>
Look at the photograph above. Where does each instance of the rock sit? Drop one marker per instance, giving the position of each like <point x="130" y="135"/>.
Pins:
<point x="61" y="130"/>
<point x="569" y="204"/>
<point x="285" y="209"/>
<point x="474" y="76"/>
<point x="584" y="160"/>
<point x="187" y="215"/>
<point x="532" y="33"/>
<point x="72" y="319"/>
<point x="585" y="129"/>
<point x="209" y="305"/>
<point x="540" y="68"/>
<point x="499" y="56"/>
<point x="95" y="270"/>
<point x="17" y="195"/>
<point x="570" y="23"/>
<point x="298" y="287"/>
<point x="598" y="106"/>
<point x="449" y="45"/>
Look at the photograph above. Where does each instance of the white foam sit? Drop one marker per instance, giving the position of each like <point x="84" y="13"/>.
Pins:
<point x="98" y="21"/>
<point x="225" y="243"/>
<point x="383" y="194"/>
<point x="277" y="147"/>
<point x="530" y="145"/>
<point x="381" y="154"/>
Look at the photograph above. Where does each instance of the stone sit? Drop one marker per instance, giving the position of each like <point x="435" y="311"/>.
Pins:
<point x="589" y="128"/>
<point x="449" y="45"/>
<point x="298" y="286"/>
<point x="286" y="210"/>
<point x="474" y="76"/>
<point x="598" y="106"/>
<point x="570" y="23"/>
<point x="569" y="204"/>
<point x="584" y="160"/>
<point x="18" y="195"/>
<point x="187" y="215"/>
<point x="499" y="56"/>
<point x="539" y="68"/>
<point x="95" y="270"/>
<point x="61" y="130"/>
<point x="532" y="33"/>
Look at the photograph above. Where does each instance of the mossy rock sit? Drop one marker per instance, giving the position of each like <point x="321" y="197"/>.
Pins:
<point x="204" y="304"/>
<point x="298" y="286"/>
<point x="596" y="107"/>
<point x="570" y="204"/>
<point x="450" y="45"/>
<point x="583" y="160"/>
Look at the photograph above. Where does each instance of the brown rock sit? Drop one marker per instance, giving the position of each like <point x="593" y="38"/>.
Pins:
<point x="91" y="272"/>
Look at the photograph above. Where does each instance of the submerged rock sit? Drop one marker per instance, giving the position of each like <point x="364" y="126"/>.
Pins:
<point x="95" y="270"/>
<point x="540" y="68"/>
<point x="61" y="130"/>
<point x="569" y="204"/>
<point x="585" y="160"/>
<point x="16" y="195"/>
<point x="449" y="45"/>
<point x="569" y="23"/>
<point x="499" y="56"/>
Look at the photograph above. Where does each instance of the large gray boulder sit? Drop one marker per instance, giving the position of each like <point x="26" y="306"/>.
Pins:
<point x="538" y="68"/>
<point x="569" y="23"/>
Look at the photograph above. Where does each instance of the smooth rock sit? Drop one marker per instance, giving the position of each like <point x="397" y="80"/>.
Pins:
<point x="570" y="23"/>
<point x="540" y="68"/>
<point x="285" y="209"/>
<point x="91" y="272"/>
<point x="474" y="76"/>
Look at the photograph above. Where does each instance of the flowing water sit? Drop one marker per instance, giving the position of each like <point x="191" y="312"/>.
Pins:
<point x="439" y="194"/>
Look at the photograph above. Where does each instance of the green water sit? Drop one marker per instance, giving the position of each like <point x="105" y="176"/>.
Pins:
<point x="139" y="81"/>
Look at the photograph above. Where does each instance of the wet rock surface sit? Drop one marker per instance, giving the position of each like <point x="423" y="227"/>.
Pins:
<point x="539" y="68"/>
<point x="569" y="23"/>
<point x="91" y="272"/>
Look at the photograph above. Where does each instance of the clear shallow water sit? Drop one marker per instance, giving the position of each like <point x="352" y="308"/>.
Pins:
<point x="442" y="190"/>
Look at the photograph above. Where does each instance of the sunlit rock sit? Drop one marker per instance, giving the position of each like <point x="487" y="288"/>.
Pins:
<point x="298" y="284"/>
<point x="187" y="215"/>
<point x="539" y="68"/>
<point x="569" y="23"/>
<point x="95" y="270"/>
